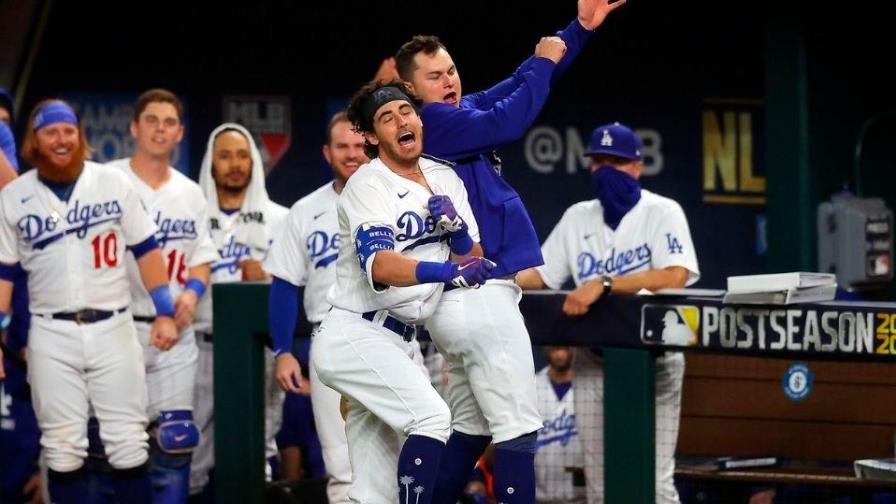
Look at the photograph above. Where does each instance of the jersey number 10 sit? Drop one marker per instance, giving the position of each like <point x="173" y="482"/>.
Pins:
<point x="105" y="250"/>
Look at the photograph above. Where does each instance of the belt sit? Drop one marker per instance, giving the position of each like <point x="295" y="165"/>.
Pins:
<point x="391" y="323"/>
<point x="86" y="316"/>
<point x="204" y="336"/>
<point x="141" y="318"/>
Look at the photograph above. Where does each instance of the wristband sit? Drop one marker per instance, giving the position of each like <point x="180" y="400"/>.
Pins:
<point x="196" y="285"/>
<point x="161" y="298"/>
<point x="433" y="272"/>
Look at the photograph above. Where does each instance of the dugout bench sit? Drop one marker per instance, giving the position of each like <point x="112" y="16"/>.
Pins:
<point x="631" y="330"/>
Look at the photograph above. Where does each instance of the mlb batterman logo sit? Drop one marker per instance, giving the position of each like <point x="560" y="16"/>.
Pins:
<point x="674" y="325"/>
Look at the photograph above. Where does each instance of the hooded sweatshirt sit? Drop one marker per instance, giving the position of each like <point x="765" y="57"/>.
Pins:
<point x="246" y="234"/>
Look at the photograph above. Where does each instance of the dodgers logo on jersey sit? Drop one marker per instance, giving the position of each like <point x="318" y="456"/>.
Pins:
<point x="79" y="218"/>
<point x="560" y="429"/>
<point x="620" y="264"/>
<point x="231" y="255"/>
<point x="414" y="227"/>
<point x="322" y="248"/>
<point x="174" y="229"/>
<point x="673" y="244"/>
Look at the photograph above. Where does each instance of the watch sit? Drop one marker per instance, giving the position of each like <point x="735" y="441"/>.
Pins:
<point x="607" y="282"/>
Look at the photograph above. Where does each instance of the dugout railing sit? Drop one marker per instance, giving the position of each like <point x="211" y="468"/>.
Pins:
<point x="630" y="330"/>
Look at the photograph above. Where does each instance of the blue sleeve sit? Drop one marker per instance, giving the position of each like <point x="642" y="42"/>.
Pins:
<point x="8" y="145"/>
<point x="147" y="245"/>
<point x="283" y="313"/>
<point x="454" y="133"/>
<point x="574" y="35"/>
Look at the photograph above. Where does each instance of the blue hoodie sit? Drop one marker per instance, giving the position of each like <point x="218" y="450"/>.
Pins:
<point x="469" y="134"/>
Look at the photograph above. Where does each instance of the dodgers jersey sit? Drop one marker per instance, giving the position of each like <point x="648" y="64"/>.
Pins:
<point x="180" y="213"/>
<point x="558" y="446"/>
<point x="654" y="234"/>
<point x="375" y="196"/>
<point x="306" y="252"/>
<point x="230" y="251"/>
<point x="73" y="252"/>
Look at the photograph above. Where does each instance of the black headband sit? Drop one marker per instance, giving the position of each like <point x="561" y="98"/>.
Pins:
<point x="379" y="98"/>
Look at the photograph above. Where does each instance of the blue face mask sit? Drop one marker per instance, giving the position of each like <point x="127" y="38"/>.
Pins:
<point x="617" y="191"/>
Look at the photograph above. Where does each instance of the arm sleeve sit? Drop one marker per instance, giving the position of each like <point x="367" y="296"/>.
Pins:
<point x="202" y="250"/>
<point x="575" y="36"/>
<point x="454" y="133"/>
<point x="288" y="258"/>
<point x="136" y="224"/>
<point x="283" y="312"/>
<point x="555" y="270"/>
<point x="671" y="243"/>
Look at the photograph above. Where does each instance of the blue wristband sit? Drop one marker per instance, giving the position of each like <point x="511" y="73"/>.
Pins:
<point x="196" y="285"/>
<point x="461" y="243"/>
<point x="5" y="319"/>
<point x="161" y="298"/>
<point x="433" y="272"/>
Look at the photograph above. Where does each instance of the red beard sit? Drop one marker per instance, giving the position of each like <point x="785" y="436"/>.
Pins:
<point x="59" y="174"/>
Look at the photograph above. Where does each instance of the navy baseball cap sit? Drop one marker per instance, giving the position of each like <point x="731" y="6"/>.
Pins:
<point x="614" y="139"/>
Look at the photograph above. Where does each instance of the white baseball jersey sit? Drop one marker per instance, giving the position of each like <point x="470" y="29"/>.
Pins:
<point x="180" y="213"/>
<point x="559" y="447"/>
<point x="654" y="234"/>
<point x="306" y="252"/>
<point x="226" y="267"/>
<point x="375" y="196"/>
<point x="74" y="252"/>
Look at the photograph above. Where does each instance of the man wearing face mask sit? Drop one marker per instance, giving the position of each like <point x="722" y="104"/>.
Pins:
<point x="624" y="240"/>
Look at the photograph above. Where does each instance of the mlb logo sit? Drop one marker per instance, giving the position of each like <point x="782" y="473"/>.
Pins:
<point x="268" y="118"/>
<point x="673" y="325"/>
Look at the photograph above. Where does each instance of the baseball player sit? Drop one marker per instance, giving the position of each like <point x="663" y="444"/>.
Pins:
<point x="558" y="452"/>
<point x="305" y="255"/>
<point x="491" y="375"/>
<point x="9" y="163"/>
<point x="624" y="240"/>
<point x="67" y="223"/>
<point x="243" y="223"/>
<point x="180" y="212"/>
<point x="398" y="229"/>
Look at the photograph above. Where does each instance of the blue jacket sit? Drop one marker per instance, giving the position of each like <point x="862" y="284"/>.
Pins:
<point x="469" y="134"/>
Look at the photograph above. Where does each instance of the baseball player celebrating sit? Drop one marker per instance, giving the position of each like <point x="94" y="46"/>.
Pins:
<point x="491" y="375"/>
<point x="625" y="240"/>
<point x="397" y="229"/>
<point x="67" y="223"/>
<point x="305" y="254"/>
<point x="180" y="212"/>
<point x="243" y="223"/>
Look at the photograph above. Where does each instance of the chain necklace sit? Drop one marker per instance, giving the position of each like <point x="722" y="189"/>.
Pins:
<point x="55" y="214"/>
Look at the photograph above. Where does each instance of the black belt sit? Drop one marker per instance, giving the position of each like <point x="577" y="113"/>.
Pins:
<point x="206" y="337"/>
<point x="86" y="316"/>
<point x="391" y="323"/>
<point x="141" y="318"/>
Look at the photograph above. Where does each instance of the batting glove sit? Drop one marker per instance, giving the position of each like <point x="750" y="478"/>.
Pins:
<point x="442" y="210"/>
<point x="471" y="272"/>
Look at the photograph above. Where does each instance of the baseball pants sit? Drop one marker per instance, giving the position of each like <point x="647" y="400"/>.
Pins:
<point x="71" y="364"/>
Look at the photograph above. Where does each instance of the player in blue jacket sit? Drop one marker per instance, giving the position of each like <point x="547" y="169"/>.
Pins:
<point x="491" y="378"/>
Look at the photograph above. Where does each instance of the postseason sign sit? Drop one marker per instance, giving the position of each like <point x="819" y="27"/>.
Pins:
<point x="848" y="329"/>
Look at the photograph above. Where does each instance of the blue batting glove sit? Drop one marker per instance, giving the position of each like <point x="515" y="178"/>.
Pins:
<point x="471" y="272"/>
<point x="442" y="210"/>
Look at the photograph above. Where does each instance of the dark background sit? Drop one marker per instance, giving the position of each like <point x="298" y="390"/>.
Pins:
<point x="654" y="64"/>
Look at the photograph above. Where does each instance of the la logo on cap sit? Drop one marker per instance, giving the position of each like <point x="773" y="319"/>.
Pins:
<point x="606" y="140"/>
